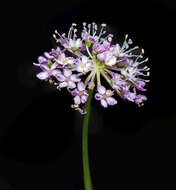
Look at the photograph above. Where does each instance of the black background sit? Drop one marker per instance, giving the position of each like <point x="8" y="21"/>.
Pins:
<point x="40" y="135"/>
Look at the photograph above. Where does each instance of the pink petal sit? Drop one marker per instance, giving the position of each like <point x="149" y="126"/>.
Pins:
<point x="43" y="75"/>
<point x="104" y="103"/>
<point x="77" y="100"/>
<point x="111" y="101"/>
<point x="101" y="89"/>
<point x="81" y="86"/>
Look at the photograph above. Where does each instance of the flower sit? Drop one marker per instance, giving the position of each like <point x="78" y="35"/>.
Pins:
<point x="84" y="65"/>
<point x="80" y="94"/>
<point x="48" y="71"/>
<point x="63" y="60"/>
<point x="105" y="96"/>
<point x="67" y="79"/>
<point x="81" y="63"/>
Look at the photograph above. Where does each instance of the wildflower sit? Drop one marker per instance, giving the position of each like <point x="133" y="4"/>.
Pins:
<point x="48" y="71"/>
<point x="95" y="58"/>
<point x="67" y="79"/>
<point x="63" y="60"/>
<point x="80" y="94"/>
<point x="105" y="96"/>
<point x="84" y="65"/>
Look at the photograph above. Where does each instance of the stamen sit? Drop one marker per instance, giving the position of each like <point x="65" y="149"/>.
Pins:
<point x="132" y="49"/>
<point x="144" y="61"/>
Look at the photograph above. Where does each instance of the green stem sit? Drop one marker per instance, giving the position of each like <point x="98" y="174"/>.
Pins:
<point x="86" y="169"/>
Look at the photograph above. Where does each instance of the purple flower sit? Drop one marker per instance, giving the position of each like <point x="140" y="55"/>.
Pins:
<point x="48" y="71"/>
<point x="84" y="65"/>
<point x="139" y="84"/>
<point x="55" y="52"/>
<point x="108" y="58"/>
<point x="105" y="96"/>
<point x="63" y="60"/>
<point x="139" y="99"/>
<point x="80" y="94"/>
<point x="80" y="63"/>
<point x="100" y="48"/>
<point x="117" y="51"/>
<point x="67" y="79"/>
<point x="73" y="44"/>
<point x="88" y="38"/>
<point x="130" y="96"/>
<point x="117" y="82"/>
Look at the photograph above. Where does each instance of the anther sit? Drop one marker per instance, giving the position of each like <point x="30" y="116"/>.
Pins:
<point x="56" y="32"/>
<point x="103" y="25"/>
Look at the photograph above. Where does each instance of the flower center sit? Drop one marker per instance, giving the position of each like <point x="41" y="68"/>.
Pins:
<point x="97" y="66"/>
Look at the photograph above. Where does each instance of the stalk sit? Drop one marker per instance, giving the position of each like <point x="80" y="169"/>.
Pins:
<point x="85" y="156"/>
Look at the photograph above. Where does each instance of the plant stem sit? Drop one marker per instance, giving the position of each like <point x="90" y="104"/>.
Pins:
<point x="85" y="157"/>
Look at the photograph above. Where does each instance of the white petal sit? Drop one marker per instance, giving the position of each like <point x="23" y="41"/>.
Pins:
<point x="84" y="59"/>
<point x="101" y="89"/>
<point x="63" y="84"/>
<point x="67" y="72"/>
<point x="75" y="78"/>
<point x="77" y="100"/>
<point x="104" y="103"/>
<point x="79" y="69"/>
<point x="112" y="61"/>
<point x="44" y="67"/>
<point x="56" y="72"/>
<point x="47" y="55"/>
<point x="89" y="64"/>
<point x="101" y="56"/>
<point x="109" y="93"/>
<point x="41" y="59"/>
<point x="81" y="86"/>
<point x="54" y="65"/>
<point x="43" y="75"/>
<point x="71" y="84"/>
<point x="111" y="101"/>
<point x="84" y="98"/>
<point x="70" y="61"/>
<point x="60" y="77"/>
<point x="78" y="43"/>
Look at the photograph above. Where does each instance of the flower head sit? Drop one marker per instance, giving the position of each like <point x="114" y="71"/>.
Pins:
<point x="95" y="58"/>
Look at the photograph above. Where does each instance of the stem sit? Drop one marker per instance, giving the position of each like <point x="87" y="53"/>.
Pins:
<point x="85" y="157"/>
<point x="88" y="51"/>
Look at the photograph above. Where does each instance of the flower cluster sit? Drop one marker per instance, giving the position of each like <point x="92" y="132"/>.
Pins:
<point x="79" y="63"/>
